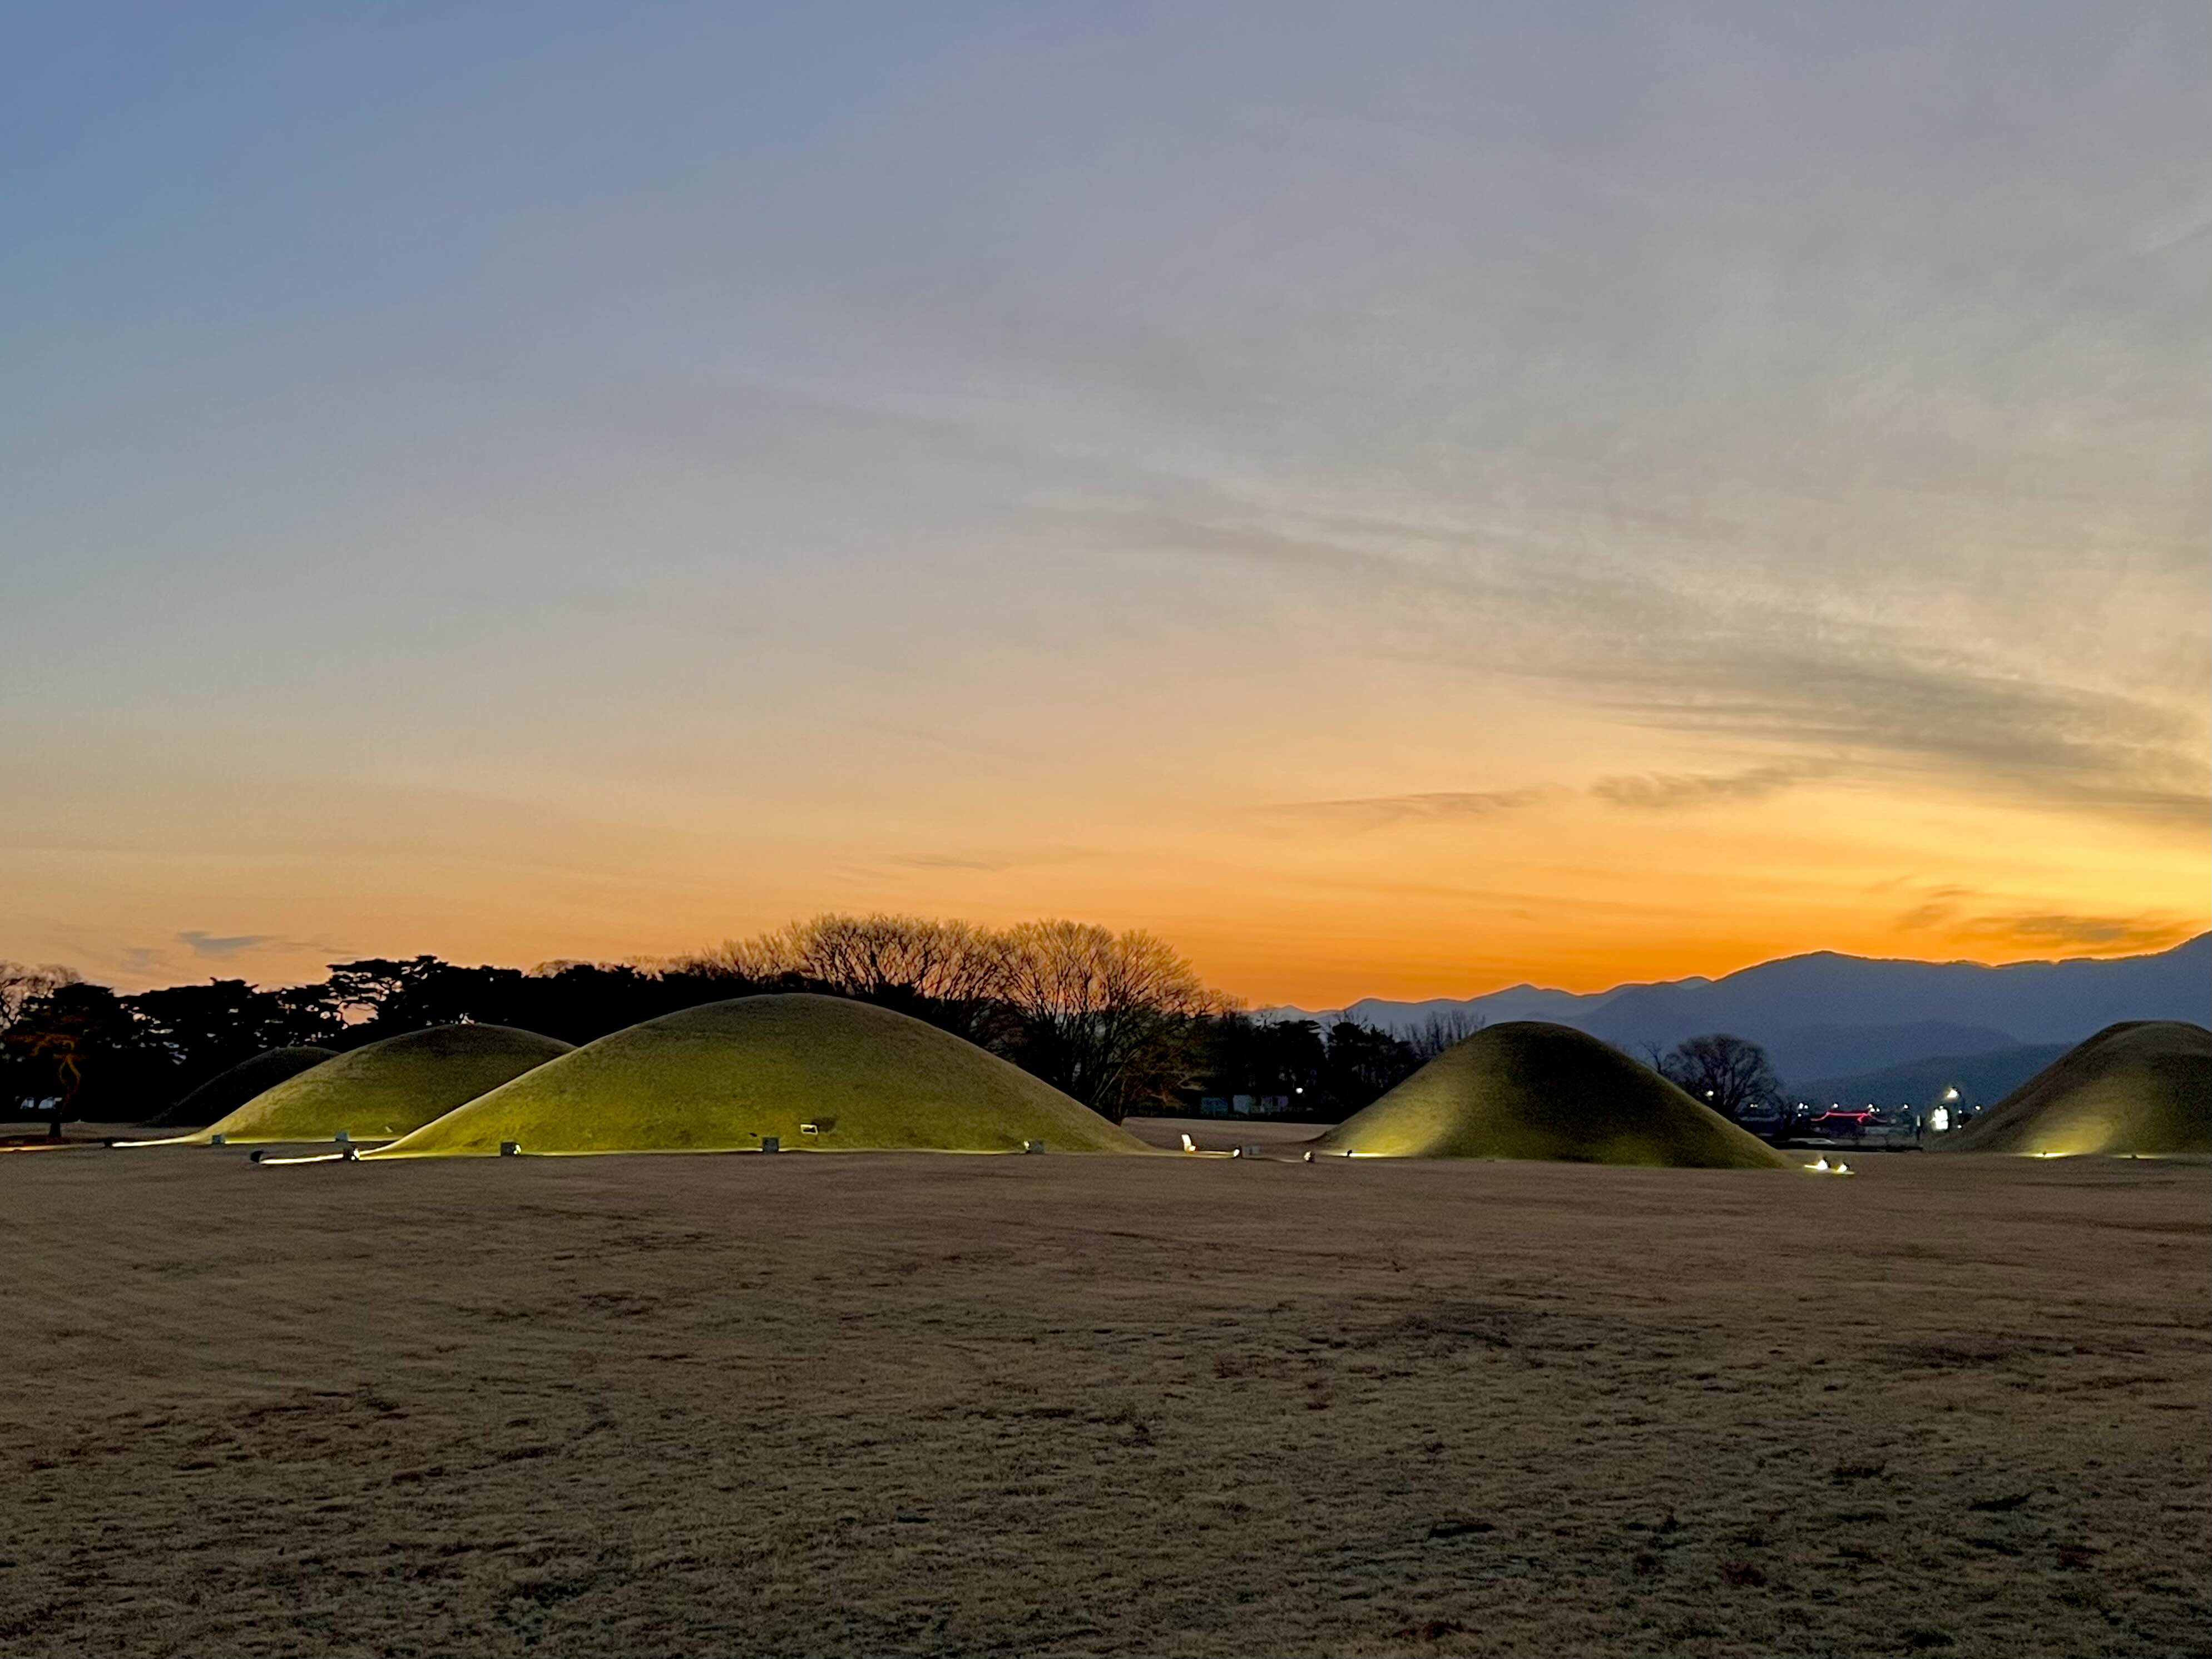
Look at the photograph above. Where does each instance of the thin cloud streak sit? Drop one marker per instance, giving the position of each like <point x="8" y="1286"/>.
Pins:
<point x="1375" y="811"/>
<point x="1669" y="791"/>
<point x="990" y="860"/>
<point x="207" y="944"/>
<point x="2064" y="745"/>
<point x="1951" y="912"/>
<point x="1656" y="654"/>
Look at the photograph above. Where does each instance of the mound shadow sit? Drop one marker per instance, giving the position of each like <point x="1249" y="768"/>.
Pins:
<point x="385" y="1090"/>
<point x="225" y="1092"/>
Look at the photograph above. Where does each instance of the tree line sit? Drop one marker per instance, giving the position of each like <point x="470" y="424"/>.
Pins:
<point x="1119" y="1020"/>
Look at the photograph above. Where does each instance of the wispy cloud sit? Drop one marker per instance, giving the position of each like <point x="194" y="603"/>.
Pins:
<point x="2063" y="744"/>
<point x="144" y="961"/>
<point x="2120" y="935"/>
<point x="987" y="858"/>
<point x="1952" y="912"/>
<point x="203" y="944"/>
<point x="1937" y="905"/>
<point x="1375" y="811"/>
<point x="1843" y="695"/>
<point x="1666" y="792"/>
<point x="1679" y="642"/>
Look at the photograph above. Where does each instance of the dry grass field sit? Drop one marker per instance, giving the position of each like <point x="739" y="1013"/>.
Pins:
<point x="917" y="1404"/>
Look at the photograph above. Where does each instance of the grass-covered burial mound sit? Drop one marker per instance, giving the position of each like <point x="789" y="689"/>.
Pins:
<point x="1532" y="1089"/>
<point x="383" y="1091"/>
<point x="2145" y="1087"/>
<point x="225" y="1091"/>
<point x="814" y="1073"/>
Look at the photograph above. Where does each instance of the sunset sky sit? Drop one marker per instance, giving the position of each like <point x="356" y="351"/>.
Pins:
<point x="1398" y="500"/>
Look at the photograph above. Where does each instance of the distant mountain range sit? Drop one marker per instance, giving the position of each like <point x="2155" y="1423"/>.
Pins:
<point x="1830" y="1016"/>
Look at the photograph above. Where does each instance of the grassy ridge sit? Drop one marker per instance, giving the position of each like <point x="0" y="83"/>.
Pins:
<point x="2143" y="1086"/>
<point x="385" y="1090"/>
<point x="1531" y="1090"/>
<point x="719" y="1078"/>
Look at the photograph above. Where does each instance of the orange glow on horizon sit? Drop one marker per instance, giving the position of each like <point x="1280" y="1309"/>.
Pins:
<point x="1564" y="892"/>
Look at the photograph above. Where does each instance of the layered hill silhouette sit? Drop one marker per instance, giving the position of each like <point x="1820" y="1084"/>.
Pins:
<point x="2142" y="1087"/>
<point x="227" y="1091"/>
<point x="384" y="1090"/>
<point x="814" y="1073"/>
<point x="1826" y="1014"/>
<point x="1529" y="1089"/>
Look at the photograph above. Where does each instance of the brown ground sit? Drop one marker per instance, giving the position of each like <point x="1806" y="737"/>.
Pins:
<point x="920" y="1405"/>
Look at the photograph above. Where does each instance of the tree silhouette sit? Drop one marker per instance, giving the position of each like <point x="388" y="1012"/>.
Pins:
<point x="1730" y="1075"/>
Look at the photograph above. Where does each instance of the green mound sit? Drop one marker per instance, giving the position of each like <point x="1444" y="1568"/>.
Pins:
<point x="225" y="1091"/>
<point x="816" y="1073"/>
<point x="2142" y="1087"/>
<point x="385" y="1090"/>
<point x="1530" y="1090"/>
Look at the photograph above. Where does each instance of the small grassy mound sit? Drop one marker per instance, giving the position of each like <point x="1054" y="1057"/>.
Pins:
<point x="1531" y="1090"/>
<point x="721" y="1077"/>
<point x="385" y="1090"/>
<point x="225" y="1091"/>
<point x="2145" y="1087"/>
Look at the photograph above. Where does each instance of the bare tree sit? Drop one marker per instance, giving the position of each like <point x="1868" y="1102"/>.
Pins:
<point x="20" y="984"/>
<point x="1442" y="1031"/>
<point x="1108" y="1017"/>
<point x="953" y="971"/>
<point x="1728" y="1073"/>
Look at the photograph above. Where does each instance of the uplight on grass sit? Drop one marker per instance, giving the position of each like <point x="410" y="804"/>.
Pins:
<point x="2142" y="1086"/>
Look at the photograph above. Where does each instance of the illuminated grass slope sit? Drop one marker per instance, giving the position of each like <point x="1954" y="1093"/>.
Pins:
<point x="719" y="1078"/>
<point x="2144" y="1086"/>
<point x="383" y="1091"/>
<point x="227" y="1091"/>
<point x="1531" y="1090"/>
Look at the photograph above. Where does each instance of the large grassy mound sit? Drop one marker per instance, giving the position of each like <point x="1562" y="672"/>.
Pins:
<point x="225" y="1091"/>
<point x="386" y="1089"/>
<point x="1530" y="1090"/>
<point x="2145" y="1087"/>
<point x="721" y="1077"/>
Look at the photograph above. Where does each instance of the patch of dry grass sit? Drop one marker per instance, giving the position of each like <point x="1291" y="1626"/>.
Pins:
<point x="926" y="1405"/>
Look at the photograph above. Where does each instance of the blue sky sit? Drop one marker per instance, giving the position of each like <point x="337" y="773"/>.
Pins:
<point x="1396" y="497"/>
